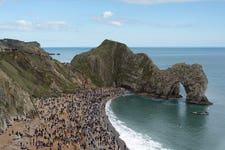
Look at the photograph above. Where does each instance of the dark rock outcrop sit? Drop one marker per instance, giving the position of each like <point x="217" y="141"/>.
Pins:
<point x="11" y="45"/>
<point x="114" y="64"/>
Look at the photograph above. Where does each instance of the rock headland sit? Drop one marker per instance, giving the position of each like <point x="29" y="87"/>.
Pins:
<point x="28" y="72"/>
<point x="114" y="64"/>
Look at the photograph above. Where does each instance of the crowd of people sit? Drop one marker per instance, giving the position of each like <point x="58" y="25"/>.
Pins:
<point x="75" y="121"/>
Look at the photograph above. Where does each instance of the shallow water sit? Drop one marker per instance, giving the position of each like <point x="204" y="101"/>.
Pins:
<point x="168" y="122"/>
<point x="161" y="124"/>
<point x="171" y="123"/>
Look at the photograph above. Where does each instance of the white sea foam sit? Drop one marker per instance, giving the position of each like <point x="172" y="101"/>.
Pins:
<point x="133" y="140"/>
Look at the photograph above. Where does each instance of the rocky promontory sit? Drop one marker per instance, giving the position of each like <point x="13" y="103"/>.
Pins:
<point x="27" y="71"/>
<point x="114" y="64"/>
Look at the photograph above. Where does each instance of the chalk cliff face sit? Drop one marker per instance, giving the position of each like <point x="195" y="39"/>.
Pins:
<point x="114" y="64"/>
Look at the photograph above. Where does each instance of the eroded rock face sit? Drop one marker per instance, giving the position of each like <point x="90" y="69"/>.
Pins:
<point x="11" y="45"/>
<point x="192" y="77"/>
<point x="27" y="71"/>
<point x="114" y="64"/>
<point x="14" y="101"/>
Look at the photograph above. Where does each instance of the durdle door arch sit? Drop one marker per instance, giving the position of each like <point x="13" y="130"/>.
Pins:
<point x="118" y="66"/>
<point x="193" y="80"/>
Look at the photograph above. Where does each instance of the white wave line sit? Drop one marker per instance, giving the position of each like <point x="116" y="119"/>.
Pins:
<point x="133" y="139"/>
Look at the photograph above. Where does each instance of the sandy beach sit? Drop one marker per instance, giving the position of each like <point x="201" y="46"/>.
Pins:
<point x="71" y="122"/>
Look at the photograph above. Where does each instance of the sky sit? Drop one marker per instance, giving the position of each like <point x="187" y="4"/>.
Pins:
<point x="140" y="23"/>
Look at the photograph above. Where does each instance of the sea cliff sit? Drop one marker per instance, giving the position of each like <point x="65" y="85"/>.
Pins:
<point x="114" y="64"/>
<point x="27" y="72"/>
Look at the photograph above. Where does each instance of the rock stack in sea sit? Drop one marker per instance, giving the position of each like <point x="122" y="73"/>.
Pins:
<point x="114" y="64"/>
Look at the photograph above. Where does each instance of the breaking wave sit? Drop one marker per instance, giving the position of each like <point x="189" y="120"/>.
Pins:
<point x="133" y="139"/>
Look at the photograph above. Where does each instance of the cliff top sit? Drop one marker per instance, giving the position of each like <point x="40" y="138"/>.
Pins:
<point x="11" y="45"/>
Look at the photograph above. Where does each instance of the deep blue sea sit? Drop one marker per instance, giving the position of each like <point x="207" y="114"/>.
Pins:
<point x="153" y="124"/>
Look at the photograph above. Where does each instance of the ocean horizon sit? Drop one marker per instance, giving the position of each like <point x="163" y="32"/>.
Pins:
<point x="169" y="124"/>
<point x="45" y="53"/>
<point x="67" y="53"/>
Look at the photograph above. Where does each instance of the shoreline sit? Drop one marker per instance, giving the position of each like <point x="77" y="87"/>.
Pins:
<point x="94" y="133"/>
<point x="121" y="142"/>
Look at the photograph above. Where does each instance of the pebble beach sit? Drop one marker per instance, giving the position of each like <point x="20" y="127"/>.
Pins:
<point x="70" y="121"/>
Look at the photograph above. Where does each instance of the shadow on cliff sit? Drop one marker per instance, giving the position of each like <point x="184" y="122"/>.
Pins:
<point x="114" y="64"/>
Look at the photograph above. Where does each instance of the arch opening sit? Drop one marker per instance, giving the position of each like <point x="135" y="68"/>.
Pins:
<point x="177" y="90"/>
<point x="127" y="87"/>
<point x="183" y="92"/>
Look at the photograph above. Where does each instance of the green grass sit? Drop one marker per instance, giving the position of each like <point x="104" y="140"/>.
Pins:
<point x="35" y="74"/>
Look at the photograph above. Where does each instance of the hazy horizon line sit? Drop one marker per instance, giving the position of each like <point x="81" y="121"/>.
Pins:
<point x="137" y="46"/>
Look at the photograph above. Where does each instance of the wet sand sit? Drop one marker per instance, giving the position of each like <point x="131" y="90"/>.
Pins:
<point x="74" y="121"/>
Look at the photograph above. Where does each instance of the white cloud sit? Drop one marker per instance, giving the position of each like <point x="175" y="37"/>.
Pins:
<point x="107" y="14"/>
<point x="23" y="22"/>
<point x="107" y="17"/>
<point x="53" y="25"/>
<point x="158" y="1"/>
<point x="17" y="25"/>
<point x="117" y="23"/>
<point x="26" y="25"/>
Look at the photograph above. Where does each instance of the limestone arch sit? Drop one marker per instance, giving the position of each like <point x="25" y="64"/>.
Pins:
<point x="194" y="81"/>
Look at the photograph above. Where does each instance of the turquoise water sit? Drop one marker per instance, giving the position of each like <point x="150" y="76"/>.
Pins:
<point x="145" y="123"/>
